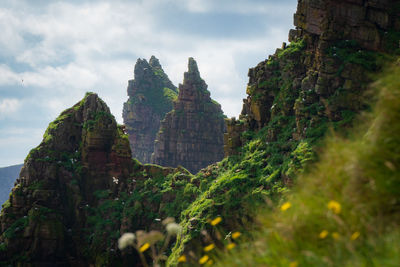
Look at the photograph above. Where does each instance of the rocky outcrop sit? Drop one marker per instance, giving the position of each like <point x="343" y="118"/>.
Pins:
<point x="44" y="222"/>
<point x="77" y="191"/>
<point x="151" y="95"/>
<point x="320" y="79"/>
<point x="191" y="135"/>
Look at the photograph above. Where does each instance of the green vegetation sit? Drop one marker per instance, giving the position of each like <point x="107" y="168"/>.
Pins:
<point x="391" y="39"/>
<point x="155" y="94"/>
<point x="97" y="117"/>
<point x="343" y="210"/>
<point x="350" y="52"/>
<point x="48" y="135"/>
<point x="292" y="48"/>
<point x="16" y="228"/>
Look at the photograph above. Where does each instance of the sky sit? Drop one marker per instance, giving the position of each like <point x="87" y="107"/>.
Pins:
<point x="52" y="52"/>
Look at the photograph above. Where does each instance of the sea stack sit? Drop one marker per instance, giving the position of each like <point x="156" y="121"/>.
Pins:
<point x="191" y="135"/>
<point x="151" y="95"/>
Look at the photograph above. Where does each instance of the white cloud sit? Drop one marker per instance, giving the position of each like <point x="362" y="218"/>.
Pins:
<point x="237" y="7"/>
<point x="8" y="106"/>
<point x="64" y="78"/>
<point x="8" y="77"/>
<point x="10" y="39"/>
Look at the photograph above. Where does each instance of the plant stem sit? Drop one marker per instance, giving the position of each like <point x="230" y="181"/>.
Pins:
<point x="143" y="259"/>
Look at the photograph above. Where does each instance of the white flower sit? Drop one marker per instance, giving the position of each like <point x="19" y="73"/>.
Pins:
<point x="125" y="240"/>
<point x="115" y="180"/>
<point x="173" y="228"/>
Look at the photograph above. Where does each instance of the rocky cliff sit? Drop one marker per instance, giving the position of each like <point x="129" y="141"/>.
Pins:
<point x="44" y="221"/>
<point x="191" y="135"/>
<point x="320" y="79"/>
<point x="151" y="95"/>
<point x="316" y="84"/>
<point x="79" y="189"/>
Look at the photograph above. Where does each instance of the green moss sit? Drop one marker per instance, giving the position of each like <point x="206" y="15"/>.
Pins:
<point x="360" y="174"/>
<point x="101" y="194"/>
<point x="48" y="135"/>
<point x="40" y="214"/>
<point x="36" y="185"/>
<point x="16" y="228"/>
<point x="160" y="99"/>
<point x="6" y="204"/>
<point x="97" y="117"/>
<point x="292" y="48"/>
<point x="391" y="39"/>
<point x="350" y="52"/>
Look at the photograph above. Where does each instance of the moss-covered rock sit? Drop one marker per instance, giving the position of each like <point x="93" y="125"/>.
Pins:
<point x="191" y="135"/>
<point x="151" y="96"/>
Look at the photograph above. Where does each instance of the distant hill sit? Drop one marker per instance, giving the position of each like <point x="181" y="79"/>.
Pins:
<point x="8" y="175"/>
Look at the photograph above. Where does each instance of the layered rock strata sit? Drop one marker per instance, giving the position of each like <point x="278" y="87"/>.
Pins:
<point x="151" y="95"/>
<point x="319" y="80"/>
<point x="191" y="134"/>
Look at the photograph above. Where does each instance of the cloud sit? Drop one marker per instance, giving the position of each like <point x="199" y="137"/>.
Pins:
<point x="8" y="76"/>
<point x="237" y="7"/>
<point x="8" y="106"/>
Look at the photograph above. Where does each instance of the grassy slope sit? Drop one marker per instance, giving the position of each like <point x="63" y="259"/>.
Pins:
<point x="363" y="176"/>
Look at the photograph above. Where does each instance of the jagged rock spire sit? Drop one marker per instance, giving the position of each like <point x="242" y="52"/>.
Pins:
<point x="192" y="66"/>
<point x="151" y="95"/>
<point x="154" y="62"/>
<point x="192" y="134"/>
<point x="193" y="74"/>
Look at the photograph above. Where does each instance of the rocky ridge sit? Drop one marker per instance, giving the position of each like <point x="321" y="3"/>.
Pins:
<point x="191" y="134"/>
<point x="151" y="95"/>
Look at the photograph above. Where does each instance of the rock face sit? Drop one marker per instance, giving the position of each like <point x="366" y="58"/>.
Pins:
<point x="79" y="190"/>
<point x="44" y="222"/>
<point x="191" y="135"/>
<point x="151" y="95"/>
<point x="319" y="80"/>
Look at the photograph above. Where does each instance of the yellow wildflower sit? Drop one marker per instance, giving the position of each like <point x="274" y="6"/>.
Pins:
<point x="230" y="246"/>
<point x="286" y="206"/>
<point x="209" y="247"/>
<point x="210" y="262"/>
<point x="144" y="247"/>
<point x="216" y="221"/>
<point x="204" y="259"/>
<point x="335" y="235"/>
<point x="182" y="258"/>
<point x="334" y="206"/>
<point x="236" y="235"/>
<point x="323" y="234"/>
<point x="294" y="264"/>
<point x="354" y="236"/>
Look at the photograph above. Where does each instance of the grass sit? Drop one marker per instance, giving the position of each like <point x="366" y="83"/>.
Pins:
<point x="362" y="176"/>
